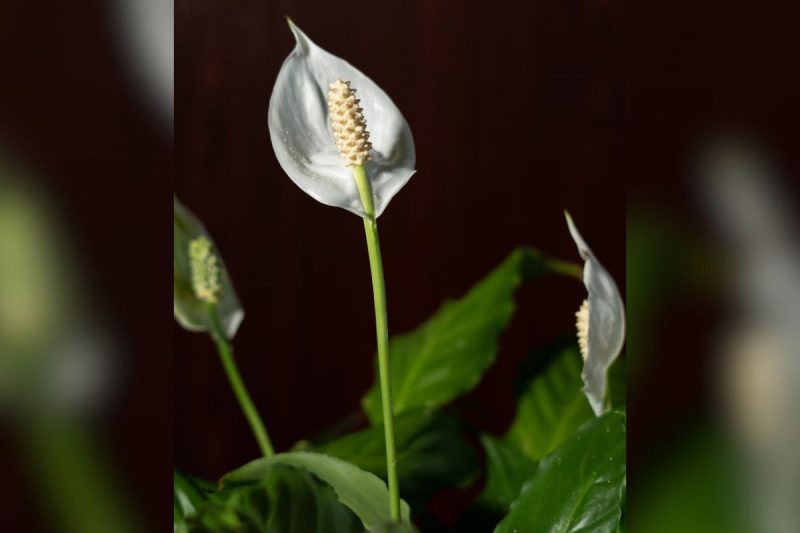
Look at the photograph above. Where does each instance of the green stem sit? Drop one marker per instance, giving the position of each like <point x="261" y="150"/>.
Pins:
<point x="382" y="330"/>
<point x="566" y="268"/>
<point x="245" y="402"/>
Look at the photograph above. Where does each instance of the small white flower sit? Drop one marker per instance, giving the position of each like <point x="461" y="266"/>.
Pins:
<point x="600" y="323"/>
<point x="304" y="140"/>
<point x="200" y="277"/>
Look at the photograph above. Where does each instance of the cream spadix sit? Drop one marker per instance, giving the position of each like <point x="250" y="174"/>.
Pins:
<point x="348" y="124"/>
<point x="600" y="323"/>
<point x="305" y="139"/>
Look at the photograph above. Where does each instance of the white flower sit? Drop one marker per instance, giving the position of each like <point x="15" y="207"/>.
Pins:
<point x="304" y="141"/>
<point x="600" y="322"/>
<point x="200" y="277"/>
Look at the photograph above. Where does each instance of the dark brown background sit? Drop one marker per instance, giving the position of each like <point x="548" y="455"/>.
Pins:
<point x="515" y="111"/>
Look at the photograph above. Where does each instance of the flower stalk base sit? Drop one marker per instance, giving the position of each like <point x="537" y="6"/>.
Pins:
<point x="242" y="396"/>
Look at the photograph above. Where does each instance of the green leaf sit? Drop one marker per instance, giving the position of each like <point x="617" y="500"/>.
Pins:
<point x="551" y="407"/>
<point x="431" y="454"/>
<point x="447" y="355"/>
<point x="507" y="469"/>
<point x="285" y="499"/>
<point x="578" y="487"/>
<point x="189" y="311"/>
<point x="394" y="527"/>
<point x="187" y="495"/>
<point x="364" y="493"/>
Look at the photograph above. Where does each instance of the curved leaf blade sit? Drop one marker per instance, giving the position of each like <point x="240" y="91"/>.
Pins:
<point x="362" y="492"/>
<point x="284" y="500"/>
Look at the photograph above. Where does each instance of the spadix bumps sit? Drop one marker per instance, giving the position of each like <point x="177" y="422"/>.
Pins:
<point x="348" y="123"/>
<point x="582" y="325"/>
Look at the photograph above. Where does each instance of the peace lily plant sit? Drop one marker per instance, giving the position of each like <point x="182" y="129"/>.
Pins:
<point x="319" y="133"/>
<point x="560" y="465"/>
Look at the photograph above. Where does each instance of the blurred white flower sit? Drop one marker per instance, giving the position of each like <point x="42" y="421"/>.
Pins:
<point x="200" y="277"/>
<point x="600" y="322"/>
<point x="304" y="142"/>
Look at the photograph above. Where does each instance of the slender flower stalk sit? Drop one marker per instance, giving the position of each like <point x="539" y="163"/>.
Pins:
<point x="235" y="379"/>
<point x="382" y="332"/>
<point x="205" y="271"/>
<point x="352" y="140"/>
<point x="315" y="141"/>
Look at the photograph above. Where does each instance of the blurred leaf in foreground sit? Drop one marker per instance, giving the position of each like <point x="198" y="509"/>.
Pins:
<point x="700" y="475"/>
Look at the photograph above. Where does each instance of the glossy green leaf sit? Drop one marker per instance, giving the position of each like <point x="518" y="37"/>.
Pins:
<point x="447" y="355"/>
<point x="507" y="469"/>
<point x="284" y="499"/>
<point x="189" y="311"/>
<point x="579" y="486"/>
<point x="431" y="454"/>
<point x="551" y="407"/>
<point x="362" y="492"/>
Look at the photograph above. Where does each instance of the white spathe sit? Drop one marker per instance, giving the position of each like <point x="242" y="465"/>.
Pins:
<point x="605" y="333"/>
<point x="304" y="143"/>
